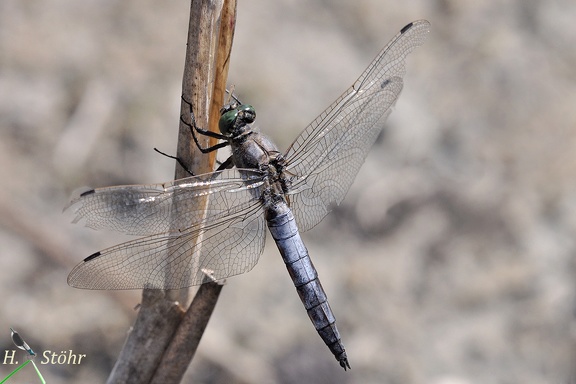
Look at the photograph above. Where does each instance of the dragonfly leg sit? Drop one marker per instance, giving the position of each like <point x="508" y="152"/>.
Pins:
<point x="177" y="159"/>
<point x="226" y="164"/>
<point x="194" y="128"/>
<point x="221" y="165"/>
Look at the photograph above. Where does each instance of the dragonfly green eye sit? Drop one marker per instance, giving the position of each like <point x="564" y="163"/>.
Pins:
<point x="228" y="118"/>
<point x="227" y="121"/>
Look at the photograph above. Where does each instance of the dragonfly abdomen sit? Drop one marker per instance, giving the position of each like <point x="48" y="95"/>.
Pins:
<point x="284" y="230"/>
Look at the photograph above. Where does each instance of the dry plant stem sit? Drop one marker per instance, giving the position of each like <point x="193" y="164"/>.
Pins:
<point x="183" y="347"/>
<point x="152" y="331"/>
<point x="185" y="342"/>
<point x="210" y="35"/>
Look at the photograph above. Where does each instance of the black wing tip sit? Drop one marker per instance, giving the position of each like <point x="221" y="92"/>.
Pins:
<point x="88" y="192"/>
<point x="406" y="27"/>
<point x="73" y="279"/>
<point x="92" y="256"/>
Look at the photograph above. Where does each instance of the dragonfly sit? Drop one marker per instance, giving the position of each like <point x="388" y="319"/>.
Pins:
<point x="216" y="222"/>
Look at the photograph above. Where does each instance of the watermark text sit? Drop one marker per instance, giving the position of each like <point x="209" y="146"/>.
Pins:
<point x="49" y="357"/>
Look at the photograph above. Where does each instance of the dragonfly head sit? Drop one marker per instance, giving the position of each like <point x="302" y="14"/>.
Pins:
<point x="234" y="116"/>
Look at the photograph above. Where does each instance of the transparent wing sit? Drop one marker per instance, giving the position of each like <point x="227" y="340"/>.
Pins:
<point x="325" y="158"/>
<point x="219" y="212"/>
<point x="151" y="209"/>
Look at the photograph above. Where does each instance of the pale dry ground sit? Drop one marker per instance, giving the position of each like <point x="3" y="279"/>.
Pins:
<point x="451" y="261"/>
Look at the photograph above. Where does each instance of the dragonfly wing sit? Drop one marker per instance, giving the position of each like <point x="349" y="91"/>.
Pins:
<point x="326" y="157"/>
<point x="159" y="208"/>
<point x="227" y="241"/>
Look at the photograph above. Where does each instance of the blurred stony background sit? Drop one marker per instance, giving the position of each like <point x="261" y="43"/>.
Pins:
<point x="451" y="261"/>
